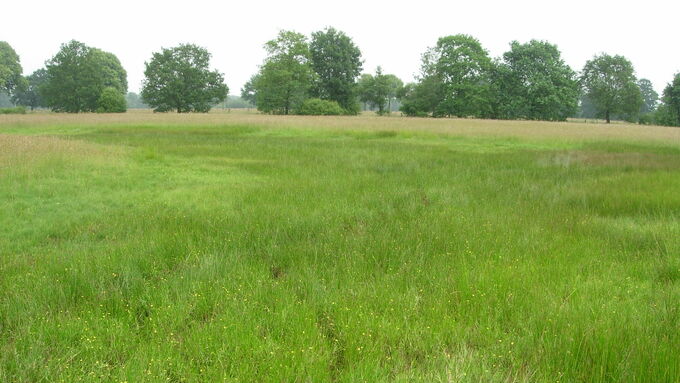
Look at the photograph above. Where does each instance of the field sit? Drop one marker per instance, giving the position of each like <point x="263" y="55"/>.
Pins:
<point x="239" y="247"/>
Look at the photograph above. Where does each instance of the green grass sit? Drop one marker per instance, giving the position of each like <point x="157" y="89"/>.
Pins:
<point x="240" y="253"/>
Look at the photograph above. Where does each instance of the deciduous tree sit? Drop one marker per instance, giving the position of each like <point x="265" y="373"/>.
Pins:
<point x="30" y="95"/>
<point x="111" y="101"/>
<point x="610" y="83"/>
<point x="77" y="75"/>
<point x="671" y="100"/>
<point x="457" y="72"/>
<point x="337" y="63"/>
<point x="649" y="96"/>
<point x="286" y="76"/>
<point x="535" y="83"/>
<point x="10" y="68"/>
<point x="180" y="79"/>
<point x="248" y="92"/>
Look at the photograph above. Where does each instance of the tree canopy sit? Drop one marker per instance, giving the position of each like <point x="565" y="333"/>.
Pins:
<point x="671" y="102"/>
<point x="180" y="79"/>
<point x="378" y="90"/>
<point x="286" y="77"/>
<point x="533" y="82"/>
<point x="10" y="68"/>
<point x="111" y="101"/>
<point x="337" y="63"/>
<point x="77" y="75"/>
<point x="649" y="96"/>
<point x="248" y="92"/>
<point x="454" y="80"/>
<point x="30" y="95"/>
<point x="611" y="85"/>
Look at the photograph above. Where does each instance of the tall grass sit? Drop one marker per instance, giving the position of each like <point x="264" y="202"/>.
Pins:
<point x="250" y="248"/>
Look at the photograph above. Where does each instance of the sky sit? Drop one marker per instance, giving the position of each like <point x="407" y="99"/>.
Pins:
<point x="392" y="34"/>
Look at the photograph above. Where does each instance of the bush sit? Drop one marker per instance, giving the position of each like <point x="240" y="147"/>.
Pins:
<point x="647" y="119"/>
<point x="319" y="107"/>
<point x="111" y="101"/>
<point x="15" y="110"/>
<point x="665" y="116"/>
<point x="353" y="110"/>
<point x="411" y="110"/>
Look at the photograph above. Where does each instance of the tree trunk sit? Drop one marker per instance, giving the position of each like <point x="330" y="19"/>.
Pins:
<point x="606" y="116"/>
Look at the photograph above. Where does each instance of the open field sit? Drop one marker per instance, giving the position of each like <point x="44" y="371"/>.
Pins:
<point x="241" y="247"/>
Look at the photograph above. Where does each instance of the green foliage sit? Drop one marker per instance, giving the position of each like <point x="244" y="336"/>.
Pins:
<point x="5" y="100"/>
<point x="248" y="92"/>
<point x="462" y="67"/>
<point x="337" y="63"/>
<point x="286" y="77"/>
<point x="10" y="68"/>
<point x="671" y="100"/>
<point x="112" y="72"/>
<point x="394" y="85"/>
<point x="134" y="101"/>
<point x="454" y="81"/>
<point x="665" y="116"/>
<point x="180" y="79"/>
<point x="111" y="101"/>
<point x="421" y="99"/>
<point x="77" y="75"/>
<point x="319" y="107"/>
<point x="587" y="108"/>
<point x="378" y="90"/>
<point x="647" y="118"/>
<point x="14" y="110"/>
<point x="610" y="83"/>
<point x="534" y="83"/>
<point x="30" y="95"/>
<point x="649" y="96"/>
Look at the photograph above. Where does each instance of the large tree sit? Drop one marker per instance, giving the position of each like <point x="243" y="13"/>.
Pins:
<point x="378" y="90"/>
<point x="395" y="84"/>
<point x="78" y="74"/>
<point x="30" y="95"/>
<point x="610" y="83"/>
<point x="248" y="92"/>
<point x="649" y="96"/>
<point x="286" y="76"/>
<point x="535" y="83"/>
<point x="337" y="63"/>
<point x="10" y="69"/>
<point x="462" y="68"/>
<point x="113" y="74"/>
<point x="421" y="99"/>
<point x="180" y="79"/>
<point x="671" y="100"/>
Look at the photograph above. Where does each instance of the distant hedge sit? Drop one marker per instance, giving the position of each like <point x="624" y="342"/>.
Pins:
<point x="15" y="110"/>
<point x="319" y="107"/>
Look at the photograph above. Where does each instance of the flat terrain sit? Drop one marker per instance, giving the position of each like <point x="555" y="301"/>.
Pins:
<point x="239" y="247"/>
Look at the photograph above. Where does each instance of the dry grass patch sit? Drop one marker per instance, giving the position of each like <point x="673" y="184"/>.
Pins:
<point x="25" y="152"/>
<point x="572" y="130"/>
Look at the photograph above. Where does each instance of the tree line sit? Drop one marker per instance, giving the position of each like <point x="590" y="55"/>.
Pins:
<point x="323" y="75"/>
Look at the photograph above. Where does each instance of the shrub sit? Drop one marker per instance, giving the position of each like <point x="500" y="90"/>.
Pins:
<point x="111" y="101"/>
<point x="665" y="116"/>
<point x="15" y="110"/>
<point x="647" y="119"/>
<point x="319" y="107"/>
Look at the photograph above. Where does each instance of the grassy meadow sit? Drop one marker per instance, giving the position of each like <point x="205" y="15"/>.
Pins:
<point x="238" y="247"/>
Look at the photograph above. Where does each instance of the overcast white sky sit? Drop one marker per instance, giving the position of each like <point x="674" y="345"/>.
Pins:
<point x="392" y="34"/>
